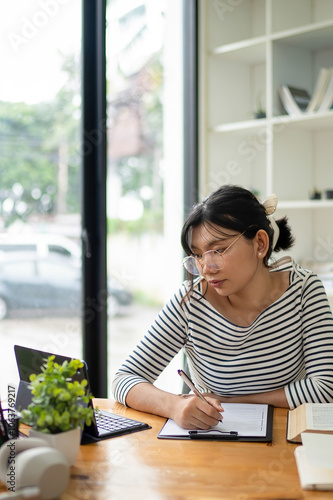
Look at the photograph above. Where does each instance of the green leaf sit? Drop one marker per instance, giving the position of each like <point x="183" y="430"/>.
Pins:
<point x="56" y="401"/>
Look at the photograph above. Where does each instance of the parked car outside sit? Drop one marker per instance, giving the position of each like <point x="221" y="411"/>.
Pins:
<point x="43" y="244"/>
<point x="52" y="283"/>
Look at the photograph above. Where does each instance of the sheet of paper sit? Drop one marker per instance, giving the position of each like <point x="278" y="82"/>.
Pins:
<point x="319" y="449"/>
<point x="246" y="419"/>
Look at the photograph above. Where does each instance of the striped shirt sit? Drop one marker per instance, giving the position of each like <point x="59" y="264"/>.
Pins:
<point x="289" y="345"/>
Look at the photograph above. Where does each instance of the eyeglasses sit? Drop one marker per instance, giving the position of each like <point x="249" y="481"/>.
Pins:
<point x="213" y="259"/>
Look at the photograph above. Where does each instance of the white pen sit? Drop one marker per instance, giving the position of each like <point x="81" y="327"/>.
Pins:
<point x="191" y="386"/>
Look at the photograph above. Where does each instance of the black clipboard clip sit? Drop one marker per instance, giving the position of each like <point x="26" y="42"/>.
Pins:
<point x="213" y="434"/>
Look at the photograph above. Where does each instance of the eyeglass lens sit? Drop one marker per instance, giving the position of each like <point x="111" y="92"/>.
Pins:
<point x="212" y="259"/>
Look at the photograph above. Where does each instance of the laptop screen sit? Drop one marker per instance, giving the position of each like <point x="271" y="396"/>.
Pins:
<point x="29" y="361"/>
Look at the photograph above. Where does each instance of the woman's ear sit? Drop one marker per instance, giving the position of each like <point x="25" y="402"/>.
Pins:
<point x="262" y="243"/>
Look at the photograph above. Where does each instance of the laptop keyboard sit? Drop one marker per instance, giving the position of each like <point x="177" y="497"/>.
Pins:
<point x="111" y="424"/>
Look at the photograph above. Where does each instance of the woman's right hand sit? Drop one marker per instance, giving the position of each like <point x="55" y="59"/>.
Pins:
<point x="191" y="412"/>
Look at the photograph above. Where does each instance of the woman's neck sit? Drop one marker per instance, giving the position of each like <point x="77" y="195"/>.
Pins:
<point x="243" y="307"/>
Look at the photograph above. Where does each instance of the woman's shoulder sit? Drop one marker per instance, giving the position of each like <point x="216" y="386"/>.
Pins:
<point x="298" y="273"/>
<point x="288" y="264"/>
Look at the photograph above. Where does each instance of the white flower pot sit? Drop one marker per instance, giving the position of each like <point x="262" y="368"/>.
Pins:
<point x="68" y="442"/>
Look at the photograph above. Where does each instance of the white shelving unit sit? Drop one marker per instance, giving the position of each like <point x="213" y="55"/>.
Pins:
<point x="247" y="49"/>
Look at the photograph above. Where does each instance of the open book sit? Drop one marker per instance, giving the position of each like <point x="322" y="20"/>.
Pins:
<point x="309" y="417"/>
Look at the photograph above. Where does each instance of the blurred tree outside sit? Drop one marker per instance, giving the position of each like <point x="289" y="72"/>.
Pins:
<point x="135" y="111"/>
<point x="39" y="152"/>
<point x="135" y="78"/>
<point x="40" y="144"/>
<point x="136" y="147"/>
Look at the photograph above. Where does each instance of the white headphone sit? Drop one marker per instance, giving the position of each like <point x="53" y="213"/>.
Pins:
<point x="32" y="469"/>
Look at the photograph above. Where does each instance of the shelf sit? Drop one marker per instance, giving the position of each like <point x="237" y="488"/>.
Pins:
<point x="311" y="37"/>
<point x="251" y="51"/>
<point x="306" y="121"/>
<point x="262" y="45"/>
<point x="311" y="121"/>
<point x="305" y="204"/>
<point x="240" y="126"/>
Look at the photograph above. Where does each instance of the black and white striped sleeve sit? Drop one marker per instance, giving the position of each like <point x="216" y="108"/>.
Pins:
<point x="317" y="329"/>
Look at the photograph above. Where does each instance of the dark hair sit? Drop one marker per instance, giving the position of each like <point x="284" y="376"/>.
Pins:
<point x="235" y="208"/>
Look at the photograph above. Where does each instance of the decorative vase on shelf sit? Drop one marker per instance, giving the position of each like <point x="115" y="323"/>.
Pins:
<point x="68" y="442"/>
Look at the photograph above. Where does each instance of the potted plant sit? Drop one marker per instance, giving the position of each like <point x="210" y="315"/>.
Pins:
<point x="260" y="111"/>
<point x="59" y="407"/>
<point x="315" y="194"/>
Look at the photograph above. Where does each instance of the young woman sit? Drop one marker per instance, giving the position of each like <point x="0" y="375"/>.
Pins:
<point x="254" y="330"/>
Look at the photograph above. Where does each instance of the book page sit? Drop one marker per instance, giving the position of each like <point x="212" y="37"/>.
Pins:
<point x="246" y="419"/>
<point x="319" y="416"/>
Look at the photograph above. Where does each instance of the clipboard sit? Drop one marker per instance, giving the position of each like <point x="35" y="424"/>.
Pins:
<point x="262" y="417"/>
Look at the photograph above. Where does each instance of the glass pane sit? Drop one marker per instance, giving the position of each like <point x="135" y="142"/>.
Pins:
<point x="40" y="115"/>
<point x="144" y="189"/>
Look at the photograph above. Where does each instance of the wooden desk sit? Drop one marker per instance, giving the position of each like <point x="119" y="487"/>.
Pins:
<point x="141" y="467"/>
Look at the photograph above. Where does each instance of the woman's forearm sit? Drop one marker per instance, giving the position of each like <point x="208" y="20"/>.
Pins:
<point x="148" y="398"/>
<point x="275" y="398"/>
<point x="190" y="412"/>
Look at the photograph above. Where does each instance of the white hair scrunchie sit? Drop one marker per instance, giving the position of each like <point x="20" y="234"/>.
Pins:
<point x="270" y="205"/>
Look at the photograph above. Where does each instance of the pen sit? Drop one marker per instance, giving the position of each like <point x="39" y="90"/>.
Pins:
<point x="190" y="384"/>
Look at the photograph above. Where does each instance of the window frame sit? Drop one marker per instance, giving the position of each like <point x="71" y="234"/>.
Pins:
<point x="94" y="224"/>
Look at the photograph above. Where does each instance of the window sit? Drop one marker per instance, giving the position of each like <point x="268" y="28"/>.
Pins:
<point x="40" y="198"/>
<point x="144" y="187"/>
<point x="41" y="171"/>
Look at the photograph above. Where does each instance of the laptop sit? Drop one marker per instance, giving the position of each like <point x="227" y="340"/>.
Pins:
<point x="106" y="424"/>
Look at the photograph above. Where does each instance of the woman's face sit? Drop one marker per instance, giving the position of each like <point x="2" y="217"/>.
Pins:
<point x="237" y="265"/>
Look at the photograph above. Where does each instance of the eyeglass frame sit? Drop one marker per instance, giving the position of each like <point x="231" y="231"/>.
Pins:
<point x="221" y="254"/>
